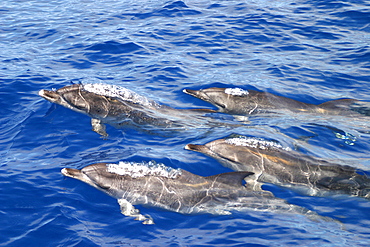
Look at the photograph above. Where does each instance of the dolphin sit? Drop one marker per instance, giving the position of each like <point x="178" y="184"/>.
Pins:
<point x="119" y="107"/>
<point x="160" y="186"/>
<point x="237" y="101"/>
<point x="272" y="163"/>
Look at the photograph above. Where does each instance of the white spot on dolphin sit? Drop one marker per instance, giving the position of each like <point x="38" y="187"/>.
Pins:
<point x="136" y="170"/>
<point x="115" y="91"/>
<point x="236" y="91"/>
<point x="255" y="143"/>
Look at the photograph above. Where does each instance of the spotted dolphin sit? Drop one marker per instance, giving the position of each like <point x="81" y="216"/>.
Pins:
<point x="119" y="107"/>
<point x="238" y="101"/>
<point x="160" y="186"/>
<point x="272" y="163"/>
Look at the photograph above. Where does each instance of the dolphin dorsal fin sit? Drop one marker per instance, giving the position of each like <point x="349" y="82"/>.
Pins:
<point x="339" y="103"/>
<point x="230" y="178"/>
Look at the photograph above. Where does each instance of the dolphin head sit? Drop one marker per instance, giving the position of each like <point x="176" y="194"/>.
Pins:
<point x="117" y="179"/>
<point x="228" y="155"/>
<point x="218" y="149"/>
<point x="68" y="96"/>
<point x="226" y="99"/>
<point x="240" y="152"/>
<point x="75" y="97"/>
<point x="95" y="175"/>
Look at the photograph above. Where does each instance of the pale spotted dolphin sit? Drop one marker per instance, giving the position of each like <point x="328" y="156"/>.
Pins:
<point x="238" y="101"/>
<point x="177" y="190"/>
<point x="119" y="107"/>
<point x="272" y="163"/>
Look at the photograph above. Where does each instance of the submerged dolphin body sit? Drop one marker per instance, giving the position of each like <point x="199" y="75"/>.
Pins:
<point x="271" y="163"/>
<point x="177" y="190"/>
<point x="119" y="107"/>
<point x="238" y="101"/>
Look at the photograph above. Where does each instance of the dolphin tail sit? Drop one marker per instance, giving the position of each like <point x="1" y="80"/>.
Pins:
<point x="339" y="103"/>
<point x="311" y="215"/>
<point x="353" y="105"/>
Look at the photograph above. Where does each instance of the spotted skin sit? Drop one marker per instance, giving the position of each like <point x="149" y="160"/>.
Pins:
<point x="185" y="193"/>
<point x="284" y="167"/>
<point x="251" y="102"/>
<point x="129" y="109"/>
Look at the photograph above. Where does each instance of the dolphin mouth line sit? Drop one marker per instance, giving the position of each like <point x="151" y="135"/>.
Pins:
<point x="70" y="172"/>
<point x="199" y="148"/>
<point x="189" y="91"/>
<point x="207" y="151"/>
<point x="64" y="171"/>
<point x="49" y="95"/>
<point x="193" y="93"/>
<point x="192" y="147"/>
<point x="204" y="97"/>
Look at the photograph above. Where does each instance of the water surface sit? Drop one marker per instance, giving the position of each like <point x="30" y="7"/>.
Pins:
<point x="312" y="51"/>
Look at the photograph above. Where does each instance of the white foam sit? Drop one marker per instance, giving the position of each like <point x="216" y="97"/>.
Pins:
<point x="236" y="91"/>
<point x="136" y="170"/>
<point x="255" y="143"/>
<point x="116" y="92"/>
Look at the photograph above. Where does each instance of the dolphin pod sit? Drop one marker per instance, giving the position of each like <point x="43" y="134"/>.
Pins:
<point x="238" y="101"/>
<point x="121" y="107"/>
<point x="178" y="190"/>
<point x="255" y="160"/>
<point x="272" y="163"/>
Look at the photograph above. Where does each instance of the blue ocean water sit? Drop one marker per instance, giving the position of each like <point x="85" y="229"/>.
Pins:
<point x="312" y="51"/>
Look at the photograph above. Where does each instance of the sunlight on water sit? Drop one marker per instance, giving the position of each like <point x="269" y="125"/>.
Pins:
<point x="309" y="51"/>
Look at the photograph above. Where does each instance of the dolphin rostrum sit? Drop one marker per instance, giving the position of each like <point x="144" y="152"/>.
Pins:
<point x="272" y="163"/>
<point x="119" y="106"/>
<point x="238" y="101"/>
<point x="177" y="190"/>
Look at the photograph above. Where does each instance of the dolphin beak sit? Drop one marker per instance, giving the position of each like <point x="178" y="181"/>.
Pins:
<point x="49" y="95"/>
<point x="69" y="172"/>
<point x="191" y="92"/>
<point x="193" y="147"/>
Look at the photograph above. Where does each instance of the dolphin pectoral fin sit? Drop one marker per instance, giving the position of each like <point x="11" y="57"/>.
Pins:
<point x="220" y="211"/>
<point x="128" y="209"/>
<point x="242" y="119"/>
<point x="146" y="220"/>
<point x="98" y="127"/>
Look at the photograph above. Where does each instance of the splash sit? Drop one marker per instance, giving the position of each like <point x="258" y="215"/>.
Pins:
<point x="236" y="91"/>
<point x="115" y="91"/>
<point x="258" y="143"/>
<point x="136" y="170"/>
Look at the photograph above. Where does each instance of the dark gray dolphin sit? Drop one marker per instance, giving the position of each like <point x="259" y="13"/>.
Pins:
<point x="272" y="163"/>
<point x="119" y="107"/>
<point x="238" y="101"/>
<point x="177" y="190"/>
